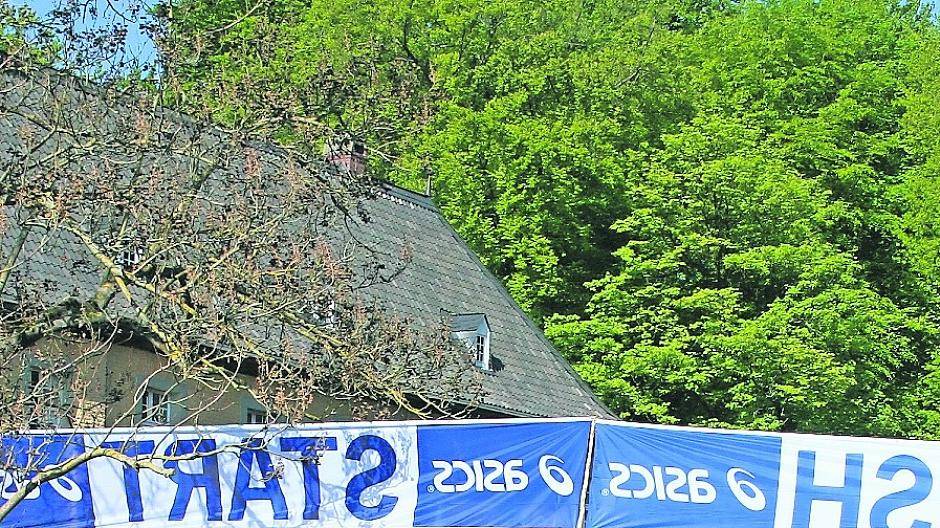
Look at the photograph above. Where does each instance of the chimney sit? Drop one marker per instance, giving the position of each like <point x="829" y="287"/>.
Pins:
<point x="346" y="154"/>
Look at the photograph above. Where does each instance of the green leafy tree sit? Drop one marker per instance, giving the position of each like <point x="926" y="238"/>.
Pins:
<point x="777" y="271"/>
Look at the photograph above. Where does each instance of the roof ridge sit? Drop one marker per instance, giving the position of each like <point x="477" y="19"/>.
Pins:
<point x="391" y="190"/>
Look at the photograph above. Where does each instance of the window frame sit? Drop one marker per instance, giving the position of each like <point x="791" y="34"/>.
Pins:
<point x="479" y="350"/>
<point x="55" y="389"/>
<point x="147" y="416"/>
<point x="35" y="378"/>
<point x="252" y="412"/>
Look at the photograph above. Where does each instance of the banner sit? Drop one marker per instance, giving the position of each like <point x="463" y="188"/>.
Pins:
<point x="478" y="473"/>
<point x="501" y="473"/>
<point x="655" y="476"/>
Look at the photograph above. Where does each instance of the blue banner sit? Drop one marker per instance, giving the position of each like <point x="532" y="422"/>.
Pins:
<point x="655" y="476"/>
<point x="505" y="473"/>
<point x="488" y="475"/>
<point x="671" y="477"/>
<point x="478" y="473"/>
<point x="65" y="501"/>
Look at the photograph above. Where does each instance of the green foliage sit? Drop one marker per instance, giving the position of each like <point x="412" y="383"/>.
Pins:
<point x="780" y="270"/>
<point x="732" y="209"/>
<point x="23" y="39"/>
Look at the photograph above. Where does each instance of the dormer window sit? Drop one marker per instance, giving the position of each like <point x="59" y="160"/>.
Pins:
<point x="480" y="356"/>
<point x="131" y="255"/>
<point x="474" y="331"/>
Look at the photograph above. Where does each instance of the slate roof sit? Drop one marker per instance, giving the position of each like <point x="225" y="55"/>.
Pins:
<point x="530" y="378"/>
<point x="440" y="278"/>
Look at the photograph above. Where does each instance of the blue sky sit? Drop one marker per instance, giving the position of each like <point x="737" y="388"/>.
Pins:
<point x="138" y="44"/>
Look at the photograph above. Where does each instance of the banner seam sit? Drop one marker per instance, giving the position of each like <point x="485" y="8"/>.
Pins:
<point x="588" y="466"/>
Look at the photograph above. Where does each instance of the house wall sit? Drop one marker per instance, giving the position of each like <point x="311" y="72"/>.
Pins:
<point x="106" y="386"/>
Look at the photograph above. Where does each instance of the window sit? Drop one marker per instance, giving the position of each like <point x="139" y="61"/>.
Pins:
<point x="47" y="397"/>
<point x="34" y="405"/>
<point x="155" y="407"/>
<point x="131" y="252"/>
<point x="480" y="350"/>
<point x="254" y="416"/>
<point x="130" y="257"/>
<point x="473" y="330"/>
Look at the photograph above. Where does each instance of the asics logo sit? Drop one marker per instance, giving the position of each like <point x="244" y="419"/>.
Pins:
<point x="457" y="476"/>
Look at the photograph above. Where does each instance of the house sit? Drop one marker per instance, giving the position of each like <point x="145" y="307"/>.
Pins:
<point x="428" y="274"/>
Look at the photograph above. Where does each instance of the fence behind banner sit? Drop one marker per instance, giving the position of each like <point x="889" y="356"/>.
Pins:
<point x="494" y="473"/>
